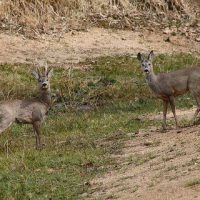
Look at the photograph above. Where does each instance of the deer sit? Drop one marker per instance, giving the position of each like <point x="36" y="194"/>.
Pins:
<point x="29" y="111"/>
<point x="167" y="86"/>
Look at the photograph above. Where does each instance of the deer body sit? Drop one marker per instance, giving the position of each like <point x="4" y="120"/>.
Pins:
<point x="166" y="86"/>
<point x="174" y="83"/>
<point x="28" y="111"/>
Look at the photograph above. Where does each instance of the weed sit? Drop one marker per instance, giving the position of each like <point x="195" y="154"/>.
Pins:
<point x="139" y="159"/>
<point x="171" y="168"/>
<point x="193" y="161"/>
<point x="135" y="188"/>
<point x="192" y="183"/>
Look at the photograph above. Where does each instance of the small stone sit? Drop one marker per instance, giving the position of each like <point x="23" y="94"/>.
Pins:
<point x="148" y="143"/>
<point x="168" y="39"/>
<point x="84" y="195"/>
<point x="132" y="134"/>
<point x="178" y="131"/>
<point x="72" y="33"/>
<point x="87" y="183"/>
<point x="153" y="129"/>
<point x="198" y="39"/>
<point x="167" y="31"/>
<point x="142" y="133"/>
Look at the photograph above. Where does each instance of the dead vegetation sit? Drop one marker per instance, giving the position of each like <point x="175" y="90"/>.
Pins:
<point x="32" y="17"/>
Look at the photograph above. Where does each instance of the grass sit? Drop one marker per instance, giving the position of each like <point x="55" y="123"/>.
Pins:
<point x="78" y="143"/>
<point x="192" y="183"/>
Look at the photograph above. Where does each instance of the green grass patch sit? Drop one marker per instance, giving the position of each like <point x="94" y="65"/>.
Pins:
<point x="78" y="143"/>
<point x="192" y="183"/>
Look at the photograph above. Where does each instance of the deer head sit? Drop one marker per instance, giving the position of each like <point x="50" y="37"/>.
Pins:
<point x="146" y="63"/>
<point x="43" y="79"/>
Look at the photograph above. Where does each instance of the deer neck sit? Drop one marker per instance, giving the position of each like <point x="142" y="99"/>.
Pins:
<point x="151" y="77"/>
<point x="152" y="81"/>
<point x="45" y="97"/>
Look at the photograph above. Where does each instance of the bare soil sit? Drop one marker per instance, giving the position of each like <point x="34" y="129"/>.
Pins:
<point x="74" y="47"/>
<point x="155" y="166"/>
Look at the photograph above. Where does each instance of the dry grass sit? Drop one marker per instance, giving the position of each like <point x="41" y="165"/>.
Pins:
<point x="42" y="16"/>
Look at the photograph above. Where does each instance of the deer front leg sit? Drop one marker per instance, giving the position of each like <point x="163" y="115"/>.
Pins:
<point x="197" y="110"/>
<point x="195" y="115"/>
<point x="172" y="104"/>
<point x="36" y="128"/>
<point x="165" y="105"/>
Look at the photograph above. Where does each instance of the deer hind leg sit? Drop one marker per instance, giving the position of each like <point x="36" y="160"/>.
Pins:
<point x="6" y="120"/>
<point x="197" y="98"/>
<point x="165" y="106"/>
<point x="172" y="104"/>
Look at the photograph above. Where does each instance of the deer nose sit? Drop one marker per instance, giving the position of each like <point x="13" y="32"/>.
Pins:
<point x="44" y="84"/>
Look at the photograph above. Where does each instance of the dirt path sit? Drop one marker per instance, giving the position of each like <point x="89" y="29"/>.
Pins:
<point x="74" y="47"/>
<point x="155" y="166"/>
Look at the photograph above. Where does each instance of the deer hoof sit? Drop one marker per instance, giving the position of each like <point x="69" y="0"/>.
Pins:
<point x="39" y="147"/>
<point x="163" y="129"/>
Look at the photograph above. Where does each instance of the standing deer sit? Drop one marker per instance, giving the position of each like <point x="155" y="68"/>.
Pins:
<point x="29" y="111"/>
<point x="169" y="85"/>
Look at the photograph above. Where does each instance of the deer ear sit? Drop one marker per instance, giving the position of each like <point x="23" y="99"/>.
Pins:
<point x="36" y="75"/>
<point x="139" y="56"/>
<point x="151" y="55"/>
<point x="50" y="73"/>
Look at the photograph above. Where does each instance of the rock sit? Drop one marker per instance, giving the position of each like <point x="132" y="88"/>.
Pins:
<point x="84" y="195"/>
<point x="87" y="183"/>
<point x="167" y="31"/>
<point x="178" y="131"/>
<point x="153" y="129"/>
<point x="168" y="39"/>
<point x="198" y="39"/>
<point x="148" y="143"/>
<point x="142" y="133"/>
<point x="132" y="134"/>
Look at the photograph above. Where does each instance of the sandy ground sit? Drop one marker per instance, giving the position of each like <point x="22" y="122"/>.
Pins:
<point x="74" y="47"/>
<point x="155" y="166"/>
